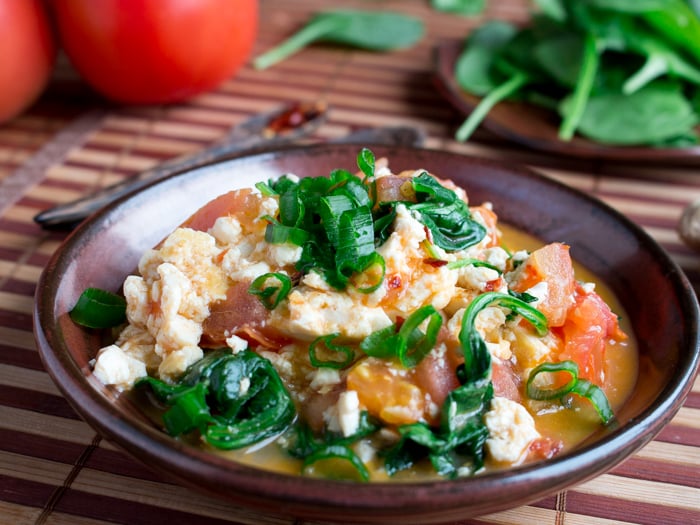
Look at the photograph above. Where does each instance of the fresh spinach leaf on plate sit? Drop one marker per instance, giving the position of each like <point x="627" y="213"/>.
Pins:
<point x="371" y="30"/>
<point x="608" y="64"/>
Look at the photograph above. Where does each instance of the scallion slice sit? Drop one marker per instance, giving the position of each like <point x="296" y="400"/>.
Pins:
<point x="366" y="163"/>
<point x="271" y="296"/>
<point x="580" y="387"/>
<point x="461" y="263"/>
<point x="97" y="308"/>
<point x="371" y="276"/>
<point x="409" y="344"/>
<point x="326" y="340"/>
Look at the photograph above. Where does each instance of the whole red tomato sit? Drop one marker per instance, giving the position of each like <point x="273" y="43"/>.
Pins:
<point x="27" y="54"/>
<point x="156" y="51"/>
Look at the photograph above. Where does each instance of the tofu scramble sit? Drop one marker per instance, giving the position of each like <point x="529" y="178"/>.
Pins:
<point x="370" y="326"/>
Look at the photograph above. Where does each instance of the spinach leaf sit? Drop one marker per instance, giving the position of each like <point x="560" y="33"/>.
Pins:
<point x="577" y="54"/>
<point x="372" y="30"/>
<point x="233" y="400"/>
<point x="473" y="70"/>
<point x="460" y="7"/>
<point x="658" y="112"/>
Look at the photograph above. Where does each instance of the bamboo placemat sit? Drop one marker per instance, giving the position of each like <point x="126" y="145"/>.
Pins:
<point x="54" y="469"/>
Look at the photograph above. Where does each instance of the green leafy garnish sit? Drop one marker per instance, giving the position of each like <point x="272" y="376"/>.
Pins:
<point x="575" y="385"/>
<point x="270" y="296"/>
<point x="232" y="400"/>
<point x="371" y="30"/>
<point x="338" y="223"/>
<point x="326" y="341"/>
<point x="617" y="72"/>
<point x="97" y="308"/>
<point x="407" y="342"/>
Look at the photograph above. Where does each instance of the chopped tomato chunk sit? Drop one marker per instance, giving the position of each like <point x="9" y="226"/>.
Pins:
<point x="392" y="397"/>
<point x="242" y="204"/>
<point x="552" y="265"/>
<point x="589" y="325"/>
<point x="242" y="314"/>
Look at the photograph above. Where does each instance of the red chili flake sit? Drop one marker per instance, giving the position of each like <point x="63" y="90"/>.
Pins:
<point x="394" y="281"/>
<point x="492" y="285"/>
<point x="428" y="234"/>
<point x="436" y="263"/>
<point x="294" y="117"/>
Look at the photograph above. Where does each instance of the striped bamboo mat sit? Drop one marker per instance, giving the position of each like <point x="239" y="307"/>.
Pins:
<point x="54" y="469"/>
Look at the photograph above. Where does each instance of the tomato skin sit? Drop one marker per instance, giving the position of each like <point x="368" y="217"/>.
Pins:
<point x="589" y="325"/>
<point x="27" y="54"/>
<point x="156" y="51"/>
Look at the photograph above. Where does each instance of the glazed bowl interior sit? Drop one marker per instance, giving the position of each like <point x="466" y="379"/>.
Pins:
<point x="655" y="294"/>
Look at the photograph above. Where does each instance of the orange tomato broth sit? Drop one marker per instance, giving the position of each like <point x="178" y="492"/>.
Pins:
<point x="570" y="426"/>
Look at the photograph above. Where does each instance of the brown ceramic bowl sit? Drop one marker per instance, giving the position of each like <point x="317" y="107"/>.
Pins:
<point x="537" y="127"/>
<point x="656" y="295"/>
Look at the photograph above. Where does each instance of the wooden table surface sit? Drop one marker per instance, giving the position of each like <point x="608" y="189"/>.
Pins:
<point x="54" y="469"/>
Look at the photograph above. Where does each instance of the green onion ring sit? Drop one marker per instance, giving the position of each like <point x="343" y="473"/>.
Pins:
<point x="271" y="296"/>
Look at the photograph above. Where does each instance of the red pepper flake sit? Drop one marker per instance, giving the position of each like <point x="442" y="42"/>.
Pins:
<point x="394" y="281"/>
<point x="436" y="263"/>
<point x="295" y="117"/>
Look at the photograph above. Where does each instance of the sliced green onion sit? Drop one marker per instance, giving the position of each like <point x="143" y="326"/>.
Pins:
<point x="331" y="210"/>
<point x="291" y="208"/>
<point x="355" y="240"/>
<point x="597" y="397"/>
<point x="477" y="358"/>
<point x="366" y="162"/>
<point x="97" y="308"/>
<point x="338" y="452"/>
<point x="544" y="394"/>
<point x="280" y="234"/>
<point x="346" y="351"/>
<point x="376" y="265"/>
<point x="580" y="387"/>
<point x="271" y="296"/>
<point x="461" y="263"/>
<point x="265" y="189"/>
<point x="413" y="344"/>
<point x="409" y="344"/>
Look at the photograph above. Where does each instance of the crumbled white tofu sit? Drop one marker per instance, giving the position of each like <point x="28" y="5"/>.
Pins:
<point x="176" y="362"/>
<point x="226" y="230"/>
<point x="497" y="257"/>
<point x="315" y="280"/>
<point x="323" y="379"/>
<point x="283" y="254"/>
<point x="114" y="367"/>
<point x="511" y="430"/>
<point x="237" y="344"/>
<point x="309" y="313"/>
<point x="531" y="349"/>
<point x="540" y="291"/>
<point x="404" y="256"/>
<point x="344" y="416"/>
<point x="476" y="277"/>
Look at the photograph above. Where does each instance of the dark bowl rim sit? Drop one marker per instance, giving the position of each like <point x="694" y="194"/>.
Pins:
<point x="178" y="461"/>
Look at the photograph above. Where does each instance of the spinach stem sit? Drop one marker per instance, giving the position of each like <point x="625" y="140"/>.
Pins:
<point x="313" y="31"/>
<point x="582" y="92"/>
<point x="654" y="67"/>
<point x="498" y="94"/>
